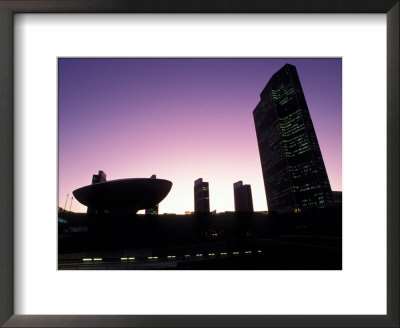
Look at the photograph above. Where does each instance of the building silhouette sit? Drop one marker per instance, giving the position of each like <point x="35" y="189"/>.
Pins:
<point x="122" y="196"/>
<point x="100" y="177"/>
<point x="96" y="178"/>
<point x="337" y="197"/>
<point x="153" y="210"/>
<point x="201" y="197"/>
<point x="293" y="169"/>
<point x="243" y="197"/>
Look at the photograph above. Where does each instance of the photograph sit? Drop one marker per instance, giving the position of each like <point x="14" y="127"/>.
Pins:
<point x="151" y="146"/>
<point x="199" y="163"/>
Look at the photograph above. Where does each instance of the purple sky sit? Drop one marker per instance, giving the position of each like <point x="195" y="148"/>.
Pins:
<point x="182" y="119"/>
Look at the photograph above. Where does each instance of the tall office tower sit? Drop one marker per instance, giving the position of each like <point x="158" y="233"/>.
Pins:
<point x="101" y="177"/>
<point x="153" y="210"/>
<point x="243" y="198"/>
<point x="201" y="197"/>
<point x="293" y="169"/>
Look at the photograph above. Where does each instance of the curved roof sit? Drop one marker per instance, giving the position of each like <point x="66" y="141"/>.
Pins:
<point x="124" y="194"/>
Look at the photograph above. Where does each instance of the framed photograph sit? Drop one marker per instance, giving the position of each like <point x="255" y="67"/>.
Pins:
<point x="175" y="220"/>
<point x="181" y="164"/>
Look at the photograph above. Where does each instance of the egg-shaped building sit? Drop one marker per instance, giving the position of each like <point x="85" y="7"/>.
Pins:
<point x="123" y="195"/>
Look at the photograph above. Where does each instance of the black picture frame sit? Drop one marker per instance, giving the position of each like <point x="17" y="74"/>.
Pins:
<point x="10" y="7"/>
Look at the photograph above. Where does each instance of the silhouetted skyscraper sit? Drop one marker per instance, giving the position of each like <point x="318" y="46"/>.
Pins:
<point x="100" y="177"/>
<point x="243" y="198"/>
<point x="153" y="210"/>
<point x="201" y="197"/>
<point x="293" y="169"/>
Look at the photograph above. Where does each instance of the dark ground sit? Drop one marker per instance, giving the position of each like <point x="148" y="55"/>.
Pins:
<point x="302" y="241"/>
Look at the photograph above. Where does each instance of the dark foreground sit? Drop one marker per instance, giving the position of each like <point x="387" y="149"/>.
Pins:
<point x="310" y="241"/>
<point x="285" y="253"/>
